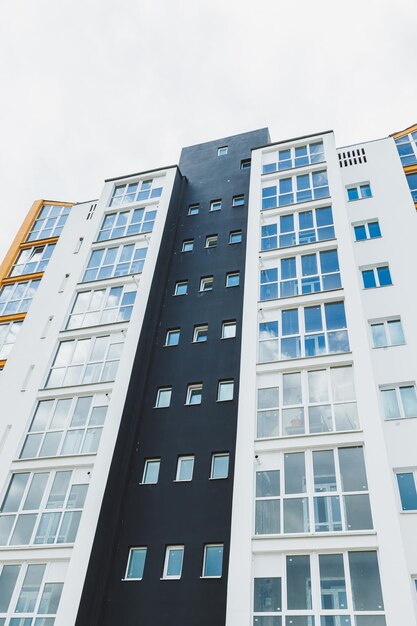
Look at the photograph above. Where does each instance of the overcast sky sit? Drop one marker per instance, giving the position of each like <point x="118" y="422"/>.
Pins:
<point x="92" y="89"/>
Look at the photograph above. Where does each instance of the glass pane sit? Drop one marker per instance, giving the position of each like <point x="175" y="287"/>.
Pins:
<point x="91" y="441"/>
<point x="324" y="471"/>
<point x="213" y="563"/>
<point x="50" y="444"/>
<point x="267" y="517"/>
<point x="346" y="416"/>
<point x="295" y="472"/>
<point x="14" y="493"/>
<point x="320" y="418"/>
<point x="409" y="401"/>
<point x="82" y="408"/>
<point x="366" y="585"/>
<point x="136" y="564"/>
<point x="151" y="472"/>
<point x="51" y="596"/>
<point x="335" y="315"/>
<point x="59" y="490"/>
<point x="395" y="331"/>
<point x="296" y="518"/>
<point x="332" y="582"/>
<point x="30" y="589"/>
<point x="335" y="620"/>
<point x="292" y="388"/>
<point x="69" y="527"/>
<point x="267" y="484"/>
<point x="47" y="528"/>
<point x="186" y="467"/>
<point x="59" y="417"/>
<point x="268" y="398"/>
<point x="293" y="421"/>
<point x="175" y="558"/>
<point x="299" y="620"/>
<point x="41" y="417"/>
<point x="328" y="517"/>
<point x="352" y="469"/>
<point x="370" y="620"/>
<point x="8" y="577"/>
<point x="342" y="383"/>
<point x="77" y="496"/>
<point x="317" y="386"/>
<point x="268" y="424"/>
<point x="408" y="493"/>
<point x="298" y="582"/>
<point x="267" y="595"/>
<point x="6" y="523"/>
<point x="390" y="404"/>
<point x="72" y="442"/>
<point x="220" y="467"/>
<point x="35" y="493"/>
<point x="358" y="512"/>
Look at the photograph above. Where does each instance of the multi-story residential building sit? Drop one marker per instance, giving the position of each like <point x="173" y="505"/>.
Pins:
<point x="209" y="411"/>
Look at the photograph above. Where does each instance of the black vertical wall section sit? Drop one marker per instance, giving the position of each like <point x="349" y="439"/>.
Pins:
<point x="169" y="513"/>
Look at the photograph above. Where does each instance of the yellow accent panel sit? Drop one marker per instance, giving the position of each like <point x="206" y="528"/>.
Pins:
<point x="2" y="364"/>
<point x="15" y="317"/>
<point x="38" y="242"/>
<point x="21" y="279"/>
<point x="406" y="131"/>
<point x="410" y="169"/>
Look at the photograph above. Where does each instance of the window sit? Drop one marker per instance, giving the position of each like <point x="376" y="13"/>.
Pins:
<point x="185" y="468"/>
<point x="135" y="564"/>
<point x="32" y="260"/>
<point x="222" y="151"/>
<point x="233" y="279"/>
<point x="213" y="561"/>
<point x="127" y="223"/>
<point x="219" y="465"/>
<point x="17" y="297"/>
<point x="86" y="361"/>
<point x="8" y="336"/>
<point x="200" y="333"/>
<point x="43" y="507"/>
<point x="225" y="390"/>
<point x="174" y="557"/>
<point x="298" y="229"/>
<point x="359" y="192"/>
<point x="314" y="491"/>
<point x="303" y="188"/>
<point x="172" y="337"/>
<point x="309" y="401"/>
<point x="181" y="288"/>
<point x="118" y="261"/>
<point x="206" y="283"/>
<point x="163" y="397"/>
<point x="102" y="306"/>
<point x="399" y="401"/>
<point x="330" y="589"/>
<point x="34" y="590"/>
<point x="407" y="489"/>
<point x="194" y="394"/>
<point x="245" y="164"/>
<point x="302" y="332"/>
<point x="387" y="332"/>
<point x="229" y="330"/>
<point x="215" y="205"/>
<point x="378" y="276"/>
<point x="303" y="274"/>
<point x="136" y="192"/>
<point x="211" y="241"/>
<point x="193" y="209"/>
<point x="151" y="471"/>
<point x="412" y="183"/>
<point x="235" y="236"/>
<point x="66" y="426"/>
<point x="238" y="200"/>
<point x="293" y="157"/>
<point x="49" y="222"/>
<point x="187" y="245"/>
<point x="407" y="148"/>
<point x="367" y="230"/>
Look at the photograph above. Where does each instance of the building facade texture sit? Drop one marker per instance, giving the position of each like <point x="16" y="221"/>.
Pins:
<point x="208" y="385"/>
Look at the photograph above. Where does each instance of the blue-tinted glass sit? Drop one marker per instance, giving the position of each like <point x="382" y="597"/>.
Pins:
<point x="214" y="561"/>
<point x="286" y="223"/>
<point x="412" y="183"/>
<point x="353" y="193"/>
<point x="368" y="278"/>
<point x="268" y="330"/>
<point x="366" y="191"/>
<point x="360" y="233"/>
<point x="284" y="155"/>
<point x="269" y="292"/>
<point x="288" y="269"/>
<point x="305" y="220"/>
<point x="314" y="345"/>
<point x="307" y="236"/>
<point x="268" y="168"/>
<point x="324" y="216"/>
<point x="269" y="276"/>
<point x="287" y="240"/>
<point x="286" y="199"/>
<point x="303" y="182"/>
<point x="301" y="151"/>
<point x="290" y="322"/>
<point x="269" y="203"/>
<point x="268" y="192"/>
<point x="408" y="493"/>
<point x="374" y="230"/>
<point x="285" y="185"/>
<point x="319" y="179"/>
<point x="290" y="348"/>
<point x="271" y="229"/>
<point x="404" y="148"/>
<point x="309" y="265"/>
<point x="289" y="288"/>
<point x="384" y="276"/>
<point x="327" y="232"/>
<point x="312" y="319"/>
<point x="335" y="620"/>
<point x="335" y="315"/>
<point x="329" y="261"/>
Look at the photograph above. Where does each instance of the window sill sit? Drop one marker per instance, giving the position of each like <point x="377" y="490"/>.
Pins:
<point x="209" y="577"/>
<point x="296" y="167"/>
<point x="377" y="287"/>
<point x="391" y="345"/>
<point x="408" y="512"/>
<point x="342" y="533"/>
<point x="188" y="480"/>
<point x="367" y="239"/>
<point x="298" y="245"/>
<point x="126" y="580"/>
<point x="220" y="478"/>
<point x="140" y="237"/>
<point x="359" y="199"/>
<point x="302" y="358"/>
<point x="170" y="578"/>
<point x="301" y="295"/>
<point x="303" y="203"/>
<point x="280" y="438"/>
<point x="400" y="419"/>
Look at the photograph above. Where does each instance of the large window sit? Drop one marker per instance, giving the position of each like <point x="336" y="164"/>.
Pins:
<point x="298" y="229"/>
<point x="127" y="223"/>
<point x="86" y="361"/>
<point x="303" y="188"/>
<point x="298" y="156"/>
<point x="136" y="192"/>
<point x="309" y="401"/>
<point x="64" y="426"/>
<point x="302" y="332"/>
<point x="43" y="507"/>
<point x="331" y="589"/>
<point x="32" y="590"/>
<point x="407" y="148"/>
<point x="8" y="336"/>
<point x="304" y="274"/>
<point x="412" y="183"/>
<point x="32" y="260"/>
<point x="49" y="223"/>
<point x="399" y="401"/>
<point x="17" y="297"/>
<point x="102" y="306"/>
<point x="118" y="261"/>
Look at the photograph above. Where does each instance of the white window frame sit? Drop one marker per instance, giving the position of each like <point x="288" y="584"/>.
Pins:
<point x="385" y="322"/>
<point x="178" y="284"/>
<point x="129" y="558"/>
<point x="147" y="464"/>
<point x="217" y="455"/>
<point x="193" y="209"/>
<point x="396" y="387"/>
<point x="359" y="188"/>
<point x="168" y="549"/>
<point x="186" y="243"/>
<point x="142" y="191"/>
<point x="223" y="384"/>
<point x="235" y="233"/>
<point x="12" y="333"/>
<point x="297" y="236"/>
<point x="170" y="332"/>
<point x="42" y="219"/>
<point x="142" y="227"/>
<point x="211" y="241"/>
<point x="215" y="205"/>
<point x="28" y="288"/>
<point x="229" y="324"/>
<point x="138" y="249"/>
<point x="189" y="457"/>
<point x="374" y="269"/>
<point x="231" y="275"/>
<point x="238" y="200"/>
<point x="199" y="329"/>
<point x="212" y="545"/>
<point x="206" y="284"/>
<point x="366" y="224"/>
<point x="44" y="251"/>
<point x="222" y="151"/>
<point x="272" y="161"/>
<point x="296" y="196"/>
<point x="190" y="389"/>
<point x="103" y="310"/>
<point x="160" y="392"/>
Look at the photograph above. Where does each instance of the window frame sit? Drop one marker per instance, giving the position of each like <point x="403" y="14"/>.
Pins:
<point x="43" y="218"/>
<point x="146" y="465"/>
<point x="361" y="191"/>
<point x="223" y="384"/>
<point x="143" y="227"/>
<point x="23" y="302"/>
<point x="293" y="195"/>
<point x="129" y="557"/>
<point x="138" y="249"/>
<point x="192" y="387"/>
<point x="396" y="387"/>
<point x="385" y="322"/>
<point x="197" y="329"/>
<point x="103" y="309"/>
<point x="186" y="245"/>
<point x="215" y="205"/>
<point x="274" y="166"/>
<point x="170" y="332"/>
<point x="229" y="324"/>
<point x="376" y="276"/>
<point x="245" y="164"/>
<point x="238" y="200"/>
<point x="211" y="241"/>
<point x="178" y="285"/>
<point x="193" y="209"/>
<point x="297" y="236"/>
<point x="159" y="394"/>
<point x="399" y="472"/>
<point x="235" y="233"/>
<point x="180" y="459"/>
<point x="222" y="151"/>
<point x="12" y="332"/>
<point x="366" y="225"/>
<point x="206" y="284"/>
<point x="212" y="545"/>
<point x="231" y="276"/>
<point x="215" y="456"/>
<point x="142" y="187"/>
<point x="168" y="549"/>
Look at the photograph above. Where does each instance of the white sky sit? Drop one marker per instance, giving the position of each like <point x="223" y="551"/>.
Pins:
<point x="92" y="89"/>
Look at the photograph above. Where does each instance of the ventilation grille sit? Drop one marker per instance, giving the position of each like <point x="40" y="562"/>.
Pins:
<point x="352" y="157"/>
<point x="91" y="211"/>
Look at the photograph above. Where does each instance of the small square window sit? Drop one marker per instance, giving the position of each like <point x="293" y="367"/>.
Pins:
<point x="185" y="468"/>
<point x="187" y="245"/>
<point x="215" y="205"/>
<point x="174" y="557"/>
<point x="163" y="397"/>
<point x="238" y="200"/>
<point x="213" y="561"/>
<point x="222" y="151"/>
<point x="135" y="564"/>
<point x="211" y="241"/>
<point x="193" y="209"/>
<point x="359" y="192"/>
<point x="200" y="333"/>
<point x="386" y="333"/>
<point x="194" y="394"/>
<point x="206" y="283"/>
<point x="225" y="390"/>
<point x="379" y="276"/>
<point x="181" y="288"/>
<point x="232" y="280"/>
<point x="245" y="164"/>
<point x="235" y="236"/>
<point x="368" y="230"/>
<point x="151" y="471"/>
<point x="219" y="466"/>
<point x="229" y="330"/>
<point x="172" y="337"/>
